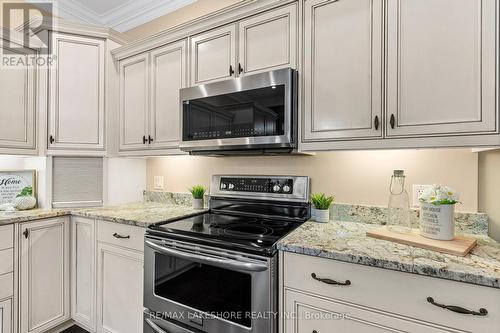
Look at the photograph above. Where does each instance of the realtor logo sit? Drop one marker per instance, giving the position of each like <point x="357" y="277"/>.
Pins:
<point x="22" y="19"/>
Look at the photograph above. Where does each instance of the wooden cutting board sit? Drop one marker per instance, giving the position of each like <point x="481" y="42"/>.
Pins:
<point x="460" y="246"/>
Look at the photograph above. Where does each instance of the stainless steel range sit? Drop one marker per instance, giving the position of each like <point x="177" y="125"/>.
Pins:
<point x="216" y="272"/>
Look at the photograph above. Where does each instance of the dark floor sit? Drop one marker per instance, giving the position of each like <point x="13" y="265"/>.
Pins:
<point x="74" y="329"/>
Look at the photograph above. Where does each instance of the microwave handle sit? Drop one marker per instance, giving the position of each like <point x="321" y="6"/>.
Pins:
<point x="155" y="327"/>
<point x="223" y="263"/>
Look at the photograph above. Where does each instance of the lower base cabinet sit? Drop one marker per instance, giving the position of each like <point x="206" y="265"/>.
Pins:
<point x="6" y="316"/>
<point x="43" y="274"/>
<point x="119" y="289"/>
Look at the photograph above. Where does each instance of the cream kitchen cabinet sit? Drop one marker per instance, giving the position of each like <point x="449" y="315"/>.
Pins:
<point x="377" y="300"/>
<point x="6" y="278"/>
<point x="120" y="270"/>
<point x="77" y="94"/>
<point x="407" y="74"/>
<point x="342" y="70"/>
<point x="442" y="68"/>
<point x="83" y="272"/>
<point x="6" y="315"/>
<point x="43" y="274"/>
<point x="149" y="100"/>
<point x="18" y="95"/>
<point x="263" y="42"/>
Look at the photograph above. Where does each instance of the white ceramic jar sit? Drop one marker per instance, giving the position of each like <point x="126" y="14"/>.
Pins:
<point x="437" y="221"/>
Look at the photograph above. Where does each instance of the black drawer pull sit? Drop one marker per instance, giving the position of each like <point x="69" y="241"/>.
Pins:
<point x="393" y="121"/>
<point x="482" y="312"/>
<point x="376" y="122"/>
<point x="144" y="140"/>
<point x="51" y="139"/>
<point x="115" y="235"/>
<point x="330" y="281"/>
<point x="315" y="331"/>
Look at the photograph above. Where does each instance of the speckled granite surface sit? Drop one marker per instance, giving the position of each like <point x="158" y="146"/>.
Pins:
<point x="347" y="241"/>
<point x="139" y="214"/>
<point x="470" y="223"/>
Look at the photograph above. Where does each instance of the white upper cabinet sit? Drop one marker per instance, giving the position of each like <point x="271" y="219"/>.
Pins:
<point x="18" y="107"/>
<point x="441" y="65"/>
<point x="44" y="275"/>
<point x="134" y="102"/>
<point x="168" y="76"/>
<point x="76" y="106"/>
<point x="343" y="70"/>
<point x="268" y="41"/>
<point x="213" y="55"/>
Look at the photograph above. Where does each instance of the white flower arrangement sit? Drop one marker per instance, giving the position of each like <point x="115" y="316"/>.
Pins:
<point x="439" y="195"/>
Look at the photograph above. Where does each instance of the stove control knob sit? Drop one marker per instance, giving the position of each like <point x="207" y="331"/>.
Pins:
<point x="286" y="189"/>
<point x="276" y="188"/>
<point x="223" y="186"/>
<point x="231" y="186"/>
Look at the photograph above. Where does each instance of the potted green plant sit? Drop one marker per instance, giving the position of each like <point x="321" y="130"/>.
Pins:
<point x="437" y="212"/>
<point x="25" y="200"/>
<point x="198" y="192"/>
<point x="321" y="207"/>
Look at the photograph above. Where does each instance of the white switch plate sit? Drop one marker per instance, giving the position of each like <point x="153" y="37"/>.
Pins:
<point x="417" y="189"/>
<point x="159" y="183"/>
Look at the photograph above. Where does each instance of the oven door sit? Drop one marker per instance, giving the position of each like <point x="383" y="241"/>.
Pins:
<point x="208" y="289"/>
<point x="251" y="112"/>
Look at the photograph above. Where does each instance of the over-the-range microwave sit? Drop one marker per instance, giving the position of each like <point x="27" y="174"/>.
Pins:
<point x="255" y="114"/>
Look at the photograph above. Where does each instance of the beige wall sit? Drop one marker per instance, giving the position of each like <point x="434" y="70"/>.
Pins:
<point x="489" y="189"/>
<point x="188" y="13"/>
<point x="360" y="177"/>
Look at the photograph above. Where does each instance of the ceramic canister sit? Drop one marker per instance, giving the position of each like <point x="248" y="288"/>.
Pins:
<point x="437" y="221"/>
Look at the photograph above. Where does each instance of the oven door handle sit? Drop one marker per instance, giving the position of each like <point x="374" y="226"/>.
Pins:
<point x="155" y="327"/>
<point x="223" y="263"/>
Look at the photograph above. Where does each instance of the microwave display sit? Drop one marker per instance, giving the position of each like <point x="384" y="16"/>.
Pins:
<point x="250" y="113"/>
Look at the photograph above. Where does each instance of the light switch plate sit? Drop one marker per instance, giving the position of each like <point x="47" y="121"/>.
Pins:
<point x="159" y="183"/>
<point x="417" y="189"/>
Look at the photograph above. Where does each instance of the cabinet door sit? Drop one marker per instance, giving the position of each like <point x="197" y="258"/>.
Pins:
<point x="268" y="41"/>
<point x="44" y="275"/>
<point x="134" y="102"/>
<point x="83" y="274"/>
<point x="213" y="55"/>
<point x="6" y="316"/>
<point x="120" y="289"/>
<point x="320" y="315"/>
<point x="342" y="70"/>
<point x="76" y="107"/>
<point x="441" y="67"/>
<point x="168" y="75"/>
<point x="17" y="113"/>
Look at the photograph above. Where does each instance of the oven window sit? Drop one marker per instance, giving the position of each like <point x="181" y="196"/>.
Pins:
<point x="251" y="113"/>
<point x="218" y="291"/>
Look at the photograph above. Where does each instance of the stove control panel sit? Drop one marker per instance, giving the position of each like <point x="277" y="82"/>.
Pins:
<point x="257" y="185"/>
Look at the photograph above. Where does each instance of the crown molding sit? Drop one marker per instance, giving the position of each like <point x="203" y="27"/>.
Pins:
<point x="227" y="15"/>
<point x="129" y="15"/>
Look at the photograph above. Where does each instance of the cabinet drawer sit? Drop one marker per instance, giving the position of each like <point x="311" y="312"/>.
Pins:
<point x="122" y="235"/>
<point x="6" y="261"/>
<point x="6" y="237"/>
<point x="6" y="285"/>
<point x="396" y="292"/>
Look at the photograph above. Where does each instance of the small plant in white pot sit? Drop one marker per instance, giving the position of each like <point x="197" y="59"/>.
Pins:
<point x="321" y="207"/>
<point x="25" y="200"/>
<point x="198" y="192"/>
<point x="437" y="212"/>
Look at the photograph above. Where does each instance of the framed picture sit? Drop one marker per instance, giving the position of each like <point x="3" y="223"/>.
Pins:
<point x="15" y="182"/>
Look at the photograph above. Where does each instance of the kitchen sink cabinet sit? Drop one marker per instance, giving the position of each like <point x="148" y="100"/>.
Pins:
<point x="43" y="274"/>
<point x="18" y="95"/>
<point x="377" y="300"/>
<point x="77" y="93"/>
<point x="263" y="42"/>
<point x="149" y="100"/>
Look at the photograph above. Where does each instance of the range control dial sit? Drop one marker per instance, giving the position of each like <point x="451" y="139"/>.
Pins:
<point x="276" y="188"/>
<point x="230" y="186"/>
<point x="286" y="189"/>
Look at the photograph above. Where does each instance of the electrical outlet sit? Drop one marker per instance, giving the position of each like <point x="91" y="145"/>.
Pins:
<point x="159" y="183"/>
<point x="417" y="190"/>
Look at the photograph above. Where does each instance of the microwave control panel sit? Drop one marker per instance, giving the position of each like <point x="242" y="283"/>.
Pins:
<point x="257" y="185"/>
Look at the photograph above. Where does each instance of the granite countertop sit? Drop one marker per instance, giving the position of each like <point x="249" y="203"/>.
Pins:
<point x="347" y="241"/>
<point x="139" y="214"/>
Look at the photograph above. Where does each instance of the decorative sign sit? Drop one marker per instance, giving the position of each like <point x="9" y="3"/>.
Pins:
<point x="13" y="183"/>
